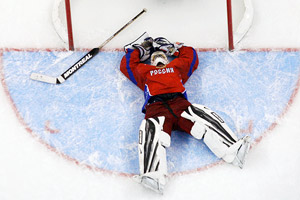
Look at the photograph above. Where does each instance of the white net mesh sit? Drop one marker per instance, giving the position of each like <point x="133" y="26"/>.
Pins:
<point x="59" y="20"/>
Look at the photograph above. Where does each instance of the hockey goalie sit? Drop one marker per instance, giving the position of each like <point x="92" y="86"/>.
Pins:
<point x="166" y="108"/>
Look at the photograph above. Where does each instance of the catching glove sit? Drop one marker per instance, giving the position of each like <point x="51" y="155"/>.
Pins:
<point x="162" y="44"/>
<point x="144" y="44"/>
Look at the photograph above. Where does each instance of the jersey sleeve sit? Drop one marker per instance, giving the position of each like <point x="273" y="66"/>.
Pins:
<point x="187" y="62"/>
<point x="129" y="65"/>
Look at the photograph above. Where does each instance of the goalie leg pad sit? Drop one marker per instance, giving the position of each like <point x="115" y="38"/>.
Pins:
<point x="198" y="130"/>
<point x="203" y="115"/>
<point x="152" y="153"/>
<point x="216" y="144"/>
<point x="213" y="130"/>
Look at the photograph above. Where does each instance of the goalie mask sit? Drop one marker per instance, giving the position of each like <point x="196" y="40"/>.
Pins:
<point x="159" y="57"/>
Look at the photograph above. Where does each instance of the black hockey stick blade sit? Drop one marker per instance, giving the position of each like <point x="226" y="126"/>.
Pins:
<point x="69" y="72"/>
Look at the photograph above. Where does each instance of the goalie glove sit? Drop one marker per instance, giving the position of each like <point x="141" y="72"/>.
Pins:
<point x="170" y="49"/>
<point x="144" y="44"/>
<point x="145" y="48"/>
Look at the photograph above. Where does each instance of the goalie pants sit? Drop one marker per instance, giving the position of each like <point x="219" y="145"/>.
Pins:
<point x="171" y="110"/>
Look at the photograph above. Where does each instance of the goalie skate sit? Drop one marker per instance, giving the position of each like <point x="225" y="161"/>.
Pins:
<point x="240" y="157"/>
<point x="150" y="183"/>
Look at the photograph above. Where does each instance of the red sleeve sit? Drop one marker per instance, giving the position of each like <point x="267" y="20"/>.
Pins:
<point x="129" y="65"/>
<point x="187" y="62"/>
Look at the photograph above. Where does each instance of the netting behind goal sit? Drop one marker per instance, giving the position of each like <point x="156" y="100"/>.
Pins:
<point x="61" y="18"/>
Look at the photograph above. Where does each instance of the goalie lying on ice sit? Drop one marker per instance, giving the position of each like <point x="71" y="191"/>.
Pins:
<point x="166" y="108"/>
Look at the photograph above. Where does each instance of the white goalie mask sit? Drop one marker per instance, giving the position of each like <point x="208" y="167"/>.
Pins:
<point x="159" y="57"/>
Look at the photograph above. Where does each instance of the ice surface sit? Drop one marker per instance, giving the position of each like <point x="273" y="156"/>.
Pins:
<point x="94" y="116"/>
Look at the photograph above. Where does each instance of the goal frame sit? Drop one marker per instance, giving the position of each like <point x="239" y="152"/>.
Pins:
<point x="234" y="37"/>
<point x="69" y="25"/>
<point x="229" y="25"/>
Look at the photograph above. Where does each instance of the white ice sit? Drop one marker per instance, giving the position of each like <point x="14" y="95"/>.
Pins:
<point x="28" y="170"/>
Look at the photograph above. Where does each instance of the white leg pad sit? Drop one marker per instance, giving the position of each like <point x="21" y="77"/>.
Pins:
<point x="152" y="153"/>
<point x="203" y="115"/>
<point x="217" y="146"/>
<point x="198" y="130"/>
<point x="213" y="130"/>
<point x="232" y="151"/>
<point x="215" y="143"/>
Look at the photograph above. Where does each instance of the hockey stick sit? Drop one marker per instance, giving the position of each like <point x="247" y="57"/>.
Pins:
<point x="74" y="68"/>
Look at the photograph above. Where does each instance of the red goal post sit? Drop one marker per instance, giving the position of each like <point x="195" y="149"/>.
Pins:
<point x="69" y="25"/>
<point x="229" y="25"/>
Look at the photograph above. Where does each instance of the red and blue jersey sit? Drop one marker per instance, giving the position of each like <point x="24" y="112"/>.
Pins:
<point x="155" y="80"/>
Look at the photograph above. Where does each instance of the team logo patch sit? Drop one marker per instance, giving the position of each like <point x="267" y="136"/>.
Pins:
<point x="94" y="116"/>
